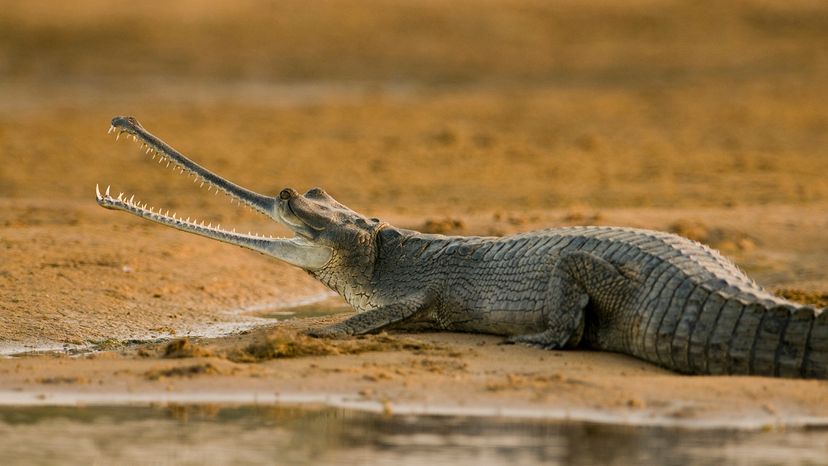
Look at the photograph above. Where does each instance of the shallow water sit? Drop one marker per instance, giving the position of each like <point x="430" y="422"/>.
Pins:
<point x="326" y="307"/>
<point x="214" y="434"/>
<point x="257" y="315"/>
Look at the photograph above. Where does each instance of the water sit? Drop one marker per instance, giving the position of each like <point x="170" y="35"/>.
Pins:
<point x="257" y="315"/>
<point x="216" y="434"/>
<point x="324" y="308"/>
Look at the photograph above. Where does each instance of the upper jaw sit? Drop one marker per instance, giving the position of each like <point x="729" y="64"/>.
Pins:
<point x="166" y="153"/>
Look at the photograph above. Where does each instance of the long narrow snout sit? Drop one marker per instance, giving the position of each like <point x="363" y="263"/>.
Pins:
<point x="298" y="251"/>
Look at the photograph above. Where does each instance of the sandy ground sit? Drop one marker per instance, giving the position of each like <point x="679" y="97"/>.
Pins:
<point x="707" y="121"/>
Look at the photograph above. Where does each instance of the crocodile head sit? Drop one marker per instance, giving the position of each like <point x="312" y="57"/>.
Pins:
<point x="326" y="233"/>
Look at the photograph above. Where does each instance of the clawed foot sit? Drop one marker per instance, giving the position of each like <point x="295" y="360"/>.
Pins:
<point x="330" y="331"/>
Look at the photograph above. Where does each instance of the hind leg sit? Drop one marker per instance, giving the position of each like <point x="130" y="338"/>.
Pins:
<point x="575" y="280"/>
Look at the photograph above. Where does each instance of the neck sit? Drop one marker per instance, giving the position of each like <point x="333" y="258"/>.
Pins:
<point x="350" y="273"/>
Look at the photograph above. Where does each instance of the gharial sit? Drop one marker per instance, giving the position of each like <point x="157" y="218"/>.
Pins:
<point x="653" y="295"/>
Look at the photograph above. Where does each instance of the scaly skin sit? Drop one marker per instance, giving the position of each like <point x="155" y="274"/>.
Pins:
<point x="653" y="295"/>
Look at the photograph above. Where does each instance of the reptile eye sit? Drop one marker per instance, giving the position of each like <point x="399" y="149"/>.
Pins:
<point x="284" y="195"/>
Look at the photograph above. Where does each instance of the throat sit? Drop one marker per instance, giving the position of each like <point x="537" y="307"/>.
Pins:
<point x="354" y="287"/>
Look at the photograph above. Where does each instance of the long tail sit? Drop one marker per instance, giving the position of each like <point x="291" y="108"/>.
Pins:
<point x="770" y="337"/>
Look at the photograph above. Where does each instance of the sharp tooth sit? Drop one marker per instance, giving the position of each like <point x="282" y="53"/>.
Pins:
<point x="131" y="198"/>
<point x="120" y="196"/>
<point x="111" y="128"/>
<point x="134" y="138"/>
<point x="97" y="191"/>
<point x="117" y="136"/>
<point x="153" y="156"/>
<point x="147" y="151"/>
<point x="201" y="185"/>
<point x="168" y="165"/>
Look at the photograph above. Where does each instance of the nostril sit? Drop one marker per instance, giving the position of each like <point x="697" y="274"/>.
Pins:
<point x="285" y="194"/>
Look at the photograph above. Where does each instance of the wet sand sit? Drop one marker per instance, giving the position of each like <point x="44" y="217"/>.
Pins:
<point x="703" y="121"/>
<point x="413" y="374"/>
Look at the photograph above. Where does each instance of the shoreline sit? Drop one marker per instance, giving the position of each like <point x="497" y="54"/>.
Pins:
<point x="761" y="421"/>
<point x="432" y="374"/>
<point x="215" y="330"/>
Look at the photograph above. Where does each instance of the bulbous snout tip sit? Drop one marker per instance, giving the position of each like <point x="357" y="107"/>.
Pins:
<point x="125" y="121"/>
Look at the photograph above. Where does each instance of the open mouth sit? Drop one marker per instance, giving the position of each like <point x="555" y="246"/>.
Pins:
<point x="157" y="149"/>
<point x="309" y="255"/>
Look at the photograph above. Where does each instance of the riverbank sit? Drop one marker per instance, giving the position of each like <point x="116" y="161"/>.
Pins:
<point x="119" y="295"/>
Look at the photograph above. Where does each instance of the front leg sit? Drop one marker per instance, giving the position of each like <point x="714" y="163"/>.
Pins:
<point x="376" y="319"/>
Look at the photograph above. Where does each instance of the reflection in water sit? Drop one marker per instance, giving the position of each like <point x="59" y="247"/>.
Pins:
<point x="318" y="309"/>
<point x="208" y="434"/>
